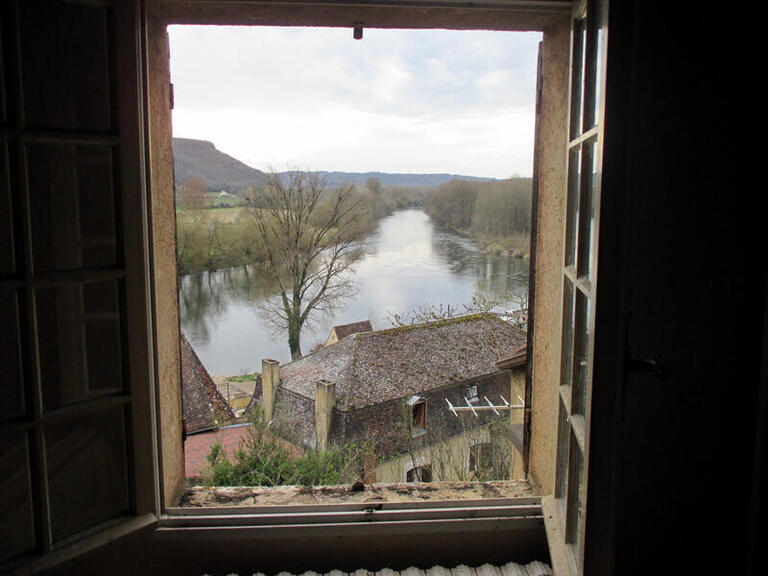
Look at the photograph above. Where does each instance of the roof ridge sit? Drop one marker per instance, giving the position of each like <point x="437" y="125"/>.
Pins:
<point x="434" y="324"/>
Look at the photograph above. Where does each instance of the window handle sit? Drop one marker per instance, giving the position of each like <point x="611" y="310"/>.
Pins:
<point x="647" y="366"/>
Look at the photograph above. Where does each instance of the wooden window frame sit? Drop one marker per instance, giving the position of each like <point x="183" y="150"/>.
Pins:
<point x="579" y="277"/>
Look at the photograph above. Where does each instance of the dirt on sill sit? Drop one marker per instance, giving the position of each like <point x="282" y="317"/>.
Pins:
<point x="223" y="496"/>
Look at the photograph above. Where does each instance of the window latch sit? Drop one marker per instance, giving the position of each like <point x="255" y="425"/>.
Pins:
<point x="647" y="366"/>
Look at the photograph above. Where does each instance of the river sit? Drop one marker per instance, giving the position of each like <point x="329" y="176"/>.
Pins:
<point x="409" y="263"/>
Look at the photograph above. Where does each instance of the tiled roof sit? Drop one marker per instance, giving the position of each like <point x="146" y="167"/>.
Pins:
<point x="345" y="330"/>
<point x="203" y="406"/>
<point x="373" y="367"/>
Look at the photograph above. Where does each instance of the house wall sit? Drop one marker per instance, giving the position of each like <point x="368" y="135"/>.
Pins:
<point x="448" y="458"/>
<point x="388" y="424"/>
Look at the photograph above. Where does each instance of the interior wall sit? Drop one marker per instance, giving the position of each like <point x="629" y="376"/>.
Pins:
<point x="163" y="226"/>
<point x="245" y="551"/>
<point x="549" y="255"/>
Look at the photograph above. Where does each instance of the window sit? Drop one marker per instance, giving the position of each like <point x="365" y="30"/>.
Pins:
<point x="578" y="275"/>
<point x="480" y="457"/>
<point x="72" y="315"/>
<point x="419" y="474"/>
<point x="418" y="407"/>
<point x="85" y="133"/>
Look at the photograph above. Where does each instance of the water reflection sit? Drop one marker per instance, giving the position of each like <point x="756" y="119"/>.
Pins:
<point x="408" y="264"/>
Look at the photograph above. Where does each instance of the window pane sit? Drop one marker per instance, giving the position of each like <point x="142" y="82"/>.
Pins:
<point x="69" y="88"/>
<point x="561" y="476"/>
<point x="572" y="206"/>
<point x="574" y="505"/>
<point x="87" y="471"/>
<point x="581" y="355"/>
<point x="587" y="210"/>
<point x="577" y="76"/>
<point x="7" y="257"/>
<point x="566" y="355"/>
<point x="73" y="206"/>
<point x="17" y="525"/>
<point x="4" y="21"/>
<point x="80" y="342"/>
<point x="11" y="383"/>
<point x="596" y="39"/>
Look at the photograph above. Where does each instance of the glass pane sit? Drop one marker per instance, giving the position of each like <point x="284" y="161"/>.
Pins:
<point x="577" y="76"/>
<point x="68" y="86"/>
<point x="73" y="214"/>
<point x="587" y="210"/>
<point x="581" y="355"/>
<point x="563" y="428"/>
<point x="596" y="50"/>
<point x="572" y="206"/>
<point x="574" y="508"/>
<point x="4" y="20"/>
<point x="80" y="342"/>
<point x="7" y="257"/>
<point x="11" y="383"/>
<point x="87" y="471"/>
<point x="17" y="524"/>
<point x="566" y="354"/>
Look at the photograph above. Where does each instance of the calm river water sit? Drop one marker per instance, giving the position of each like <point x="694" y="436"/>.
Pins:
<point x="409" y="263"/>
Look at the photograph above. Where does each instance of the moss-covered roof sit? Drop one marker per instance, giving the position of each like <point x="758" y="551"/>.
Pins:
<point x="374" y="367"/>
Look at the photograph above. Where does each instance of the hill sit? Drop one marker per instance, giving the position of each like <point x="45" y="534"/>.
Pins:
<point x="201" y="159"/>
<point x="219" y="171"/>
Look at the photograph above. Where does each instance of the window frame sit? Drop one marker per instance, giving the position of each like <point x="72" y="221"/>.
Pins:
<point x="586" y="103"/>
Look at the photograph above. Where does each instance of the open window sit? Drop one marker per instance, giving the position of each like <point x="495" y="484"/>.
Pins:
<point x="418" y="412"/>
<point x="127" y="299"/>
<point x="419" y="474"/>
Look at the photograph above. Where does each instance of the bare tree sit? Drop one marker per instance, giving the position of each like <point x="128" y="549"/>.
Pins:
<point x="309" y="236"/>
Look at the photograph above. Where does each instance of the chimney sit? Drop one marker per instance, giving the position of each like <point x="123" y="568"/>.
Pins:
<point x="325" y="400"/>
<point x="270" y="380"/>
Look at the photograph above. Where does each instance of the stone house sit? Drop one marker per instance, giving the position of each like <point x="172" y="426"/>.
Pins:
<point x="390" y="392"/>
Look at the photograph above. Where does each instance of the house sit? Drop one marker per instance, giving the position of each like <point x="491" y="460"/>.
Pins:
<point x="344" y="330"/>
<point x="673" y="475"/>
<point x="392" y="389"/>
<point x="203" y="406"/>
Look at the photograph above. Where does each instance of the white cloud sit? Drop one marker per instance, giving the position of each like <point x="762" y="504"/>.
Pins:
<point x="397" y="101"/>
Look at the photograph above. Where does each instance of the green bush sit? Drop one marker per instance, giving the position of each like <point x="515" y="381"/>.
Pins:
<point x="263" y="459"/>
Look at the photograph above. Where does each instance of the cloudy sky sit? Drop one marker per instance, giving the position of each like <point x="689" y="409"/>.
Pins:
<point x="396" y="101"/>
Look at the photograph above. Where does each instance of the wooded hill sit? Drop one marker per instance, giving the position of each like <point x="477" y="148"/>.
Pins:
<point x="199" y="159"/>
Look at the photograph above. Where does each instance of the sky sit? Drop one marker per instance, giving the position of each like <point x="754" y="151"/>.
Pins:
<point x="410" y="101"/>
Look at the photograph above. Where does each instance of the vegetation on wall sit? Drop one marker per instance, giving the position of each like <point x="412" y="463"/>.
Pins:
<point x="265" y="458"/>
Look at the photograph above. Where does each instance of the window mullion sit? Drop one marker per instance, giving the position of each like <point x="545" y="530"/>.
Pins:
<point x="40" y="489"/>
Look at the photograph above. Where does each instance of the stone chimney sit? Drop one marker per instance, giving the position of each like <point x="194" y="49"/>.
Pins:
<point x="325" y="400"/>
<point x="270" y="381"/>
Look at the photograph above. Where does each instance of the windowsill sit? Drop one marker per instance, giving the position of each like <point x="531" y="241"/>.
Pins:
<point x="561" y="566"/>
<point x="418" y="432"/>
<point x="287" y="498"/>
<point x="301" y="508"/>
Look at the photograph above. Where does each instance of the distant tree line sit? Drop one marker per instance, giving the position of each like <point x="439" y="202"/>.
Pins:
<point x="497" y="213"/>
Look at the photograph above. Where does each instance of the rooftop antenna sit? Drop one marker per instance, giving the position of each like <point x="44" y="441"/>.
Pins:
<point x="490" y="406"/>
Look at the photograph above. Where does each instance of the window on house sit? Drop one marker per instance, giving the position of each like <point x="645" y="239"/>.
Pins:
<point x="480" y="457"/>
<point x="419" y="474"/>
<point x="418" y="407"/>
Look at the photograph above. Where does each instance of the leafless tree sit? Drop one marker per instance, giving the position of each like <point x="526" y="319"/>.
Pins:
<point x="309" y="233"/>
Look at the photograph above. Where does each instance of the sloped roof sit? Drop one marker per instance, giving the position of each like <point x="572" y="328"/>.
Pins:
<point x="202" y="404"/>
<point x="345" y="330"/>
<point x="374" y="367"/>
